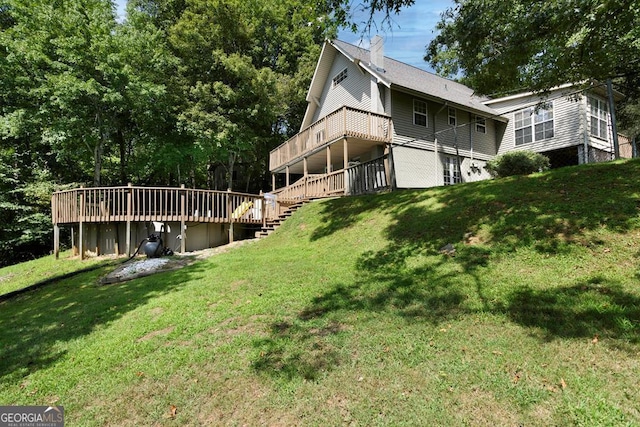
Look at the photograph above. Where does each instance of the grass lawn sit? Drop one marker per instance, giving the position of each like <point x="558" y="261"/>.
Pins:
<point x="20" y="276"/>
<point x="350" y="315"/>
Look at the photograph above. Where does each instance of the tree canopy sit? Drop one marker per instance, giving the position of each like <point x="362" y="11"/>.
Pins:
<point x="501" y="45"/>
<point x="178" y="92"/>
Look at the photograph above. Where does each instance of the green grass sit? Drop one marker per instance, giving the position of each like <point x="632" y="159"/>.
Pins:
<point x="350" y="315"/>
<point x="19" y="276"/>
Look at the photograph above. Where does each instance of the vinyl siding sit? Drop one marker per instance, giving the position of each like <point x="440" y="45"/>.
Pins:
<point x="594" y="141"/>
<point x="423" y="168"/>
<point x="568" y="122"/>
<point x="469" y="142"/>
<point x="354" y="91"/>
<point x="415" y="168"/>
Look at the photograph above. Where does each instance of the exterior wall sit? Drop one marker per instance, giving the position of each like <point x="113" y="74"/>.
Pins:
<point x="568" y="122"/>
<point x="599" y="144"/>
<point x="354" y="91"/>
<point x="469" y="142"/>
<point x="110" y="239"/>
<point x="422" y="167"/>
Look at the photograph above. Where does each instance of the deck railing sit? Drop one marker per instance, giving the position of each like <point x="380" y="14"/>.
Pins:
<point x="115" y="204"/>
<point x="367" y="177"/>
<point x="312" y="186"/>
<point x="345" y="122"/>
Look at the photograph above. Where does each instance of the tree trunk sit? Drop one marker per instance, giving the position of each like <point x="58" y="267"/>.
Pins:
<point x="123" y="156"/>
<point x="232" y="161"/>
<point x="97" y="157"/>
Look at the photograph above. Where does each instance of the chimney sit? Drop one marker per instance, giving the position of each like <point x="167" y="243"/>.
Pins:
<point x="377" y="53"/>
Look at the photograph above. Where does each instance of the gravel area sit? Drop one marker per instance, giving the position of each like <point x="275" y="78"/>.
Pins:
<point x="147" y="266"/>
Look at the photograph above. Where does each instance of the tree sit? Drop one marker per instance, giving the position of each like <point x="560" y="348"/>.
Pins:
<point x="245" y="70"/>
<point x="343" y="11"/>
<point x="499" y="45"/>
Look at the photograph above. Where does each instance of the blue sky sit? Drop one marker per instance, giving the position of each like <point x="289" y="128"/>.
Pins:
<point x="405" y="41"/>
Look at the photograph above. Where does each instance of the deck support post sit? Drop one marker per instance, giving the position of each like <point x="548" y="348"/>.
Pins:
<point x="273" y="182"/>
<point x="388" y="167"/>
<point x="128" y="219"/>
<point x="56" y="240"/>
<point x="230" y="213"/>
<point x="328" y="159"/>
<point x="74" y="246"/>
<point x="287" y="178"/>
<point x="81" y="224"/>
<point x="345" y="165"/>
<point x="263" y="209"/>
<point x="183" y="224"/>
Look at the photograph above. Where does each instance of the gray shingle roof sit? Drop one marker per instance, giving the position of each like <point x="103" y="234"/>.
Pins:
<point x="406" y="76"/>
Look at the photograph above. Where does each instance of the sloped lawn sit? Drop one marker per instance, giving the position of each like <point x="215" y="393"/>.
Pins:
<point x="350" y="315"/>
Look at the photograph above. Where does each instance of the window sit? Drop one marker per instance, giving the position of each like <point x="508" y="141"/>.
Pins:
<point x="598" y="113"/>
<point x="320" y="137"/>
<point x="340" y="77"/>
<point x="451" y="171"/>
<point x="452" y="117"/>
<point x="419" y="113"/>
<point x="481" y="124"/>
<point x="533" y="125"/>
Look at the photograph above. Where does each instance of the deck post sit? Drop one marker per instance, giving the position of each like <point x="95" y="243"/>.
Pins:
<point x="287" y="179"/>
<point x="183" y="224"/>
<point x="388" y="164"/>
<point x="56" y="240"/>
<point x="74" y="246"/>
<point x="273" y="182"/>
<point x="345" y="165"/>
<point x="231" y="213"/>
<point x="128" y="219"/>
<point x="263" y="208"/>
<point x="81" y="224"/>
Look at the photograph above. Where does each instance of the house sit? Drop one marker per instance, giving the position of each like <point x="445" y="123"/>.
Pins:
<point x="374" y="122"/>
<point x="569" y="125"/>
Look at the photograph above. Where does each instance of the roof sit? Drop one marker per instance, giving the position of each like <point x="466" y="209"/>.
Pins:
<point x="405" y="76"/>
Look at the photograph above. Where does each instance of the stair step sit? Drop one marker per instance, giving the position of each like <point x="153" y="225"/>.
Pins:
<point x="272" y="224"/>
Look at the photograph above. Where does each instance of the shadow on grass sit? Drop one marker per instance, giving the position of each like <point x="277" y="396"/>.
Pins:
<point x="588" y="309"/>
<point x="552" y="214"/>
<point x="35" y="323"/>
<point x="297" y="350"/>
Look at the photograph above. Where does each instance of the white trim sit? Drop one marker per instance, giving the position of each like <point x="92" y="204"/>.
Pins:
<point x="420" y="113"/>
<point x="527" y="94"/>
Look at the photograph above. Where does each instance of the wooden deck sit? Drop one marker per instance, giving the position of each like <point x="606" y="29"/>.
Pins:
<point x="342" y="123"/>
<point x="133" y="205"/>
<point x="130" y="204"/>
<point x="368" y="177"/>
<point x="121" y="204"/>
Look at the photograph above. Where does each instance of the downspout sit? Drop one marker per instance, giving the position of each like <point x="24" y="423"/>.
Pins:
<point x="586" y="130"/>
<point x="612" y="113"/>
<point x="471" y="141"/>
<point x="435" y="145"/>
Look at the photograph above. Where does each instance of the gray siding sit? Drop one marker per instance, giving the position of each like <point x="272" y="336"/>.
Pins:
<point x="594" y="141"/>
<point x="568" y="122"/>
<point x="354" y="91"/>
<point x="470" y="143"/>
<point x="415" y="168"/>
<point x="422" y="168"/>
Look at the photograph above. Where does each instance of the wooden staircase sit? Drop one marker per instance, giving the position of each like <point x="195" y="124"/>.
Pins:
<point x="273" y="224"/>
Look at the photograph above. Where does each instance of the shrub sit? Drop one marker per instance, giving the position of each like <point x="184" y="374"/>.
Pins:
<point x="517" y="163"/>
